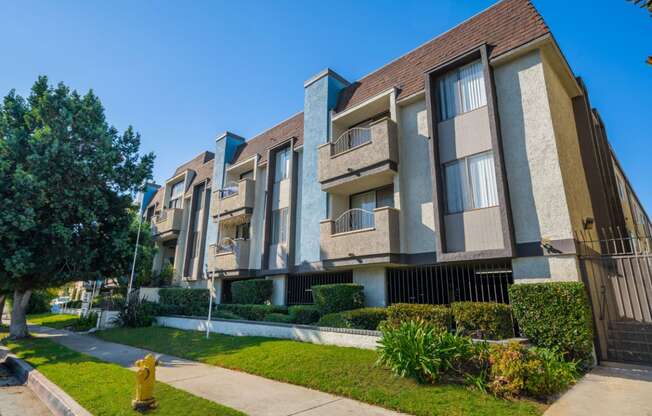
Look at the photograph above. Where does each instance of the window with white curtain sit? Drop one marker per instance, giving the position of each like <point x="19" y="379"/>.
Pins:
<point x="176" y="194"/>
<point x="470" y="183"/>
<point x="279" y="226"/>
<point x="461" y="90"/>
<point x="282" y="165"/>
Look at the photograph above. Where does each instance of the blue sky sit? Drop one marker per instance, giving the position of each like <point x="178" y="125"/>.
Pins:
<point x="182" y="72"/>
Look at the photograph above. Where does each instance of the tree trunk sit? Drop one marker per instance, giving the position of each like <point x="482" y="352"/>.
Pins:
<point x="3" y="298"/>
<point x="18" y="327"/>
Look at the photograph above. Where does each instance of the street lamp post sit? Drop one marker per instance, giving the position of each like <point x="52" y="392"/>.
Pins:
<point x="133" y="264"/>
<point x="211" y="289"/>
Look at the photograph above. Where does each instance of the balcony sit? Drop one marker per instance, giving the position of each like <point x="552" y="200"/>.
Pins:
<point x="360" y="158"/>
<point x="167" y="224"/>
<point x="231" y="259"/>
<point x="358" y="236"/>
<point x="237" y="204"/>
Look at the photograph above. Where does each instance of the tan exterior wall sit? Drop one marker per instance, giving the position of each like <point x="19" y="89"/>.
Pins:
<point x="374" y="281"/>
<point x="568" y="148"/>
<point x="464" y="135"/>
<point x="474" y="230"/>
<point x="258" y="219"/>
<point x="382" y="239"/>
<point x="413" y="184"/>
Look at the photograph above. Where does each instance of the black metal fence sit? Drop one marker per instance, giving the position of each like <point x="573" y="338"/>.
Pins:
<point x="444" y="284"/>
<point x="299" y="286"/>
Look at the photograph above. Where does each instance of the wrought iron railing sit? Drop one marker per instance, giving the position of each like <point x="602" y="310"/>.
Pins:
<point x="352" y="220"/>
<point x="350" y="139"/>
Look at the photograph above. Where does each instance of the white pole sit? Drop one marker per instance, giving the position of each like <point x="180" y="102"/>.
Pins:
<point x="133" y="264"/>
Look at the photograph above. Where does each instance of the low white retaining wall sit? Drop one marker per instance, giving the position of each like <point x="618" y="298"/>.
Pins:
<point x="327" y="336"/>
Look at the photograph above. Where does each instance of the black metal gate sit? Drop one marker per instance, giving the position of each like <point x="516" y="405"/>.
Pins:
<point x="618" y="273"/>
<point x="444" y="284"/>
<point x="299" y="286"/>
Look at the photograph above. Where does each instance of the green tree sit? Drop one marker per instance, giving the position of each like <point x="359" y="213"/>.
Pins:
<point x="66" y="180"/>
<point x="644" y="4"/>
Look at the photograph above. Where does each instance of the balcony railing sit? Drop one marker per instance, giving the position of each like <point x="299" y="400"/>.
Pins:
<point x="362" y="234"/>
<point x="353" y="220"/>
<point x="234" y="201"/>
<point x="351" y="138"/>
<point x="168" y="221"/>
<point x="364" y="156"/>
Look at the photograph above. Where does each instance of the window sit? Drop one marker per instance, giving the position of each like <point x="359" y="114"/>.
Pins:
<point x="242" y="231"/>
<point x="279" y="226"/>
<point x="377" y="198"/>
<point x="247" y="175"/>
<point x="621" y="188"/>
<point x="470" y="183"/>
<point x="282" y="164"/>
<point x="461" y="90"/>
<point x="176" y="195"/>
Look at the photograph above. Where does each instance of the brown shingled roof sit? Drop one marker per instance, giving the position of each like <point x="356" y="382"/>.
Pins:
<point x="292" y="127"/>
<point x="504" y="26"/>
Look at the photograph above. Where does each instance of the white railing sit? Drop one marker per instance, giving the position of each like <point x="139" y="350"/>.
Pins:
<point x="352" y="220"/>
<point x="230" y="189"/>
<point x="350" y="139"/>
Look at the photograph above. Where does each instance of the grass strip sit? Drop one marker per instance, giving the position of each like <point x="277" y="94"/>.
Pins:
<point x="103" y="388"/>
<point x="349" y="372"/>
<point x="52" y="320"/>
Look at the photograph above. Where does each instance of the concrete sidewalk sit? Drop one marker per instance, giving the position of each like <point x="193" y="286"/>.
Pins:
<point x="253" y="395"/>
<point x="622" y="390"/>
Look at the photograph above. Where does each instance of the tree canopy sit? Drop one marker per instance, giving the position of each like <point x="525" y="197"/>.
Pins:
<point x="66" y="182"/>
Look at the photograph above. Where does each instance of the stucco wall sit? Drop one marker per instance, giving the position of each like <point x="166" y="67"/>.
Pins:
<point x="570" y="159"/>
<point x="464" y="135"/>
<point x="374" y="281"/>
<point x="278" y="289"/>
<point x="258" y="219"/>
<point x="414" y="190"/>
<point x="319" y="98"/>
<point x="543" y="269"/>
<point x="538" y="200"/>
<point x="478" y="229"/>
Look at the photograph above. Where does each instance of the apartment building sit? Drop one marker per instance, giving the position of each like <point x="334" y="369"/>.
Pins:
<point x="468" y="164"/>
<point x="178" y="213"/>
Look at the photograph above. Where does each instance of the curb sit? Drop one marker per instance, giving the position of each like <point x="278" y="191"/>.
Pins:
<point x="58" y="401"/>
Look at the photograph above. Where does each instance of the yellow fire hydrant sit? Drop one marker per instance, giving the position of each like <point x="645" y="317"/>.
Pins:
<point x="145" y="380"/>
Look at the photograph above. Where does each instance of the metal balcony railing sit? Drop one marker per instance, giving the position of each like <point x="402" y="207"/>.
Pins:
<point x="350" y="139"/>
<point x="352" y="220"/>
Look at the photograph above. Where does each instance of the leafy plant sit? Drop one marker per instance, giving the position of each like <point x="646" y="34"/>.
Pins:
<point x="278" y="317"/>
<point x="252" y="312"/>
<point x="138" y="313"/>
<point x="555" y="315"/>
<point x="438" y="315"/>
<point x="363" y="318"/>
<point x="84" y="323"/>
<point x="485" y="320"/>
<point x="252" y="292"/>
<point x="39" y="302"/>
<point x="181" y="301"/>
<point x="423" y="351"/>
<point x="338" y="297"/>
<point x="225" y="315"/>
<point x="303" y="314"/>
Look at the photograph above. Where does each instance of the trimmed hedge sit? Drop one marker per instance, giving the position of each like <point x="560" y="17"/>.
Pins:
<point x="338" y="297"/>
<point x="252" y="292"/>
<point x="279" y="317"/>
<point x="486" y="320"/>
<point x="39" y="301"/>
<point x="304" y="314"/>
<point x="555" y="315"/>
<point x="252" y="312"/>
<point x="180" y="301"/>
<point x="364" y="318"/>
<point x="438" y="315"/>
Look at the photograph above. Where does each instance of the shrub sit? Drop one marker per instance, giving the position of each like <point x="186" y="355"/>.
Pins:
<point x="278" y="317"/>
<point x="423" y="351"/>
<point x="138" y="313"/>
<point x="39" y="302"/>
<point x="486" y="320"/>
<point x="84" y="323"/>
<point x="363" y="318"/>
<point x="304" y="314"/>
<point x="438" y="315"/>
<point x="555" y="315"/>
<point x="252" y="292"/>
<point x="338" y="297"/>
<point x="537" y="372"/>
<point x="251" y="312"/>
<point x="334" y="320"/>
<point x="188" y="302"/>
<point x="225" y="315"/>
<point x="74" y="304"/>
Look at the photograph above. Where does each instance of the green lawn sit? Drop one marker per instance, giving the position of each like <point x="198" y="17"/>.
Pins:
<point x="52" y="320"/>
<point x="103" y="388"/>
<point x="347" y="372"/>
